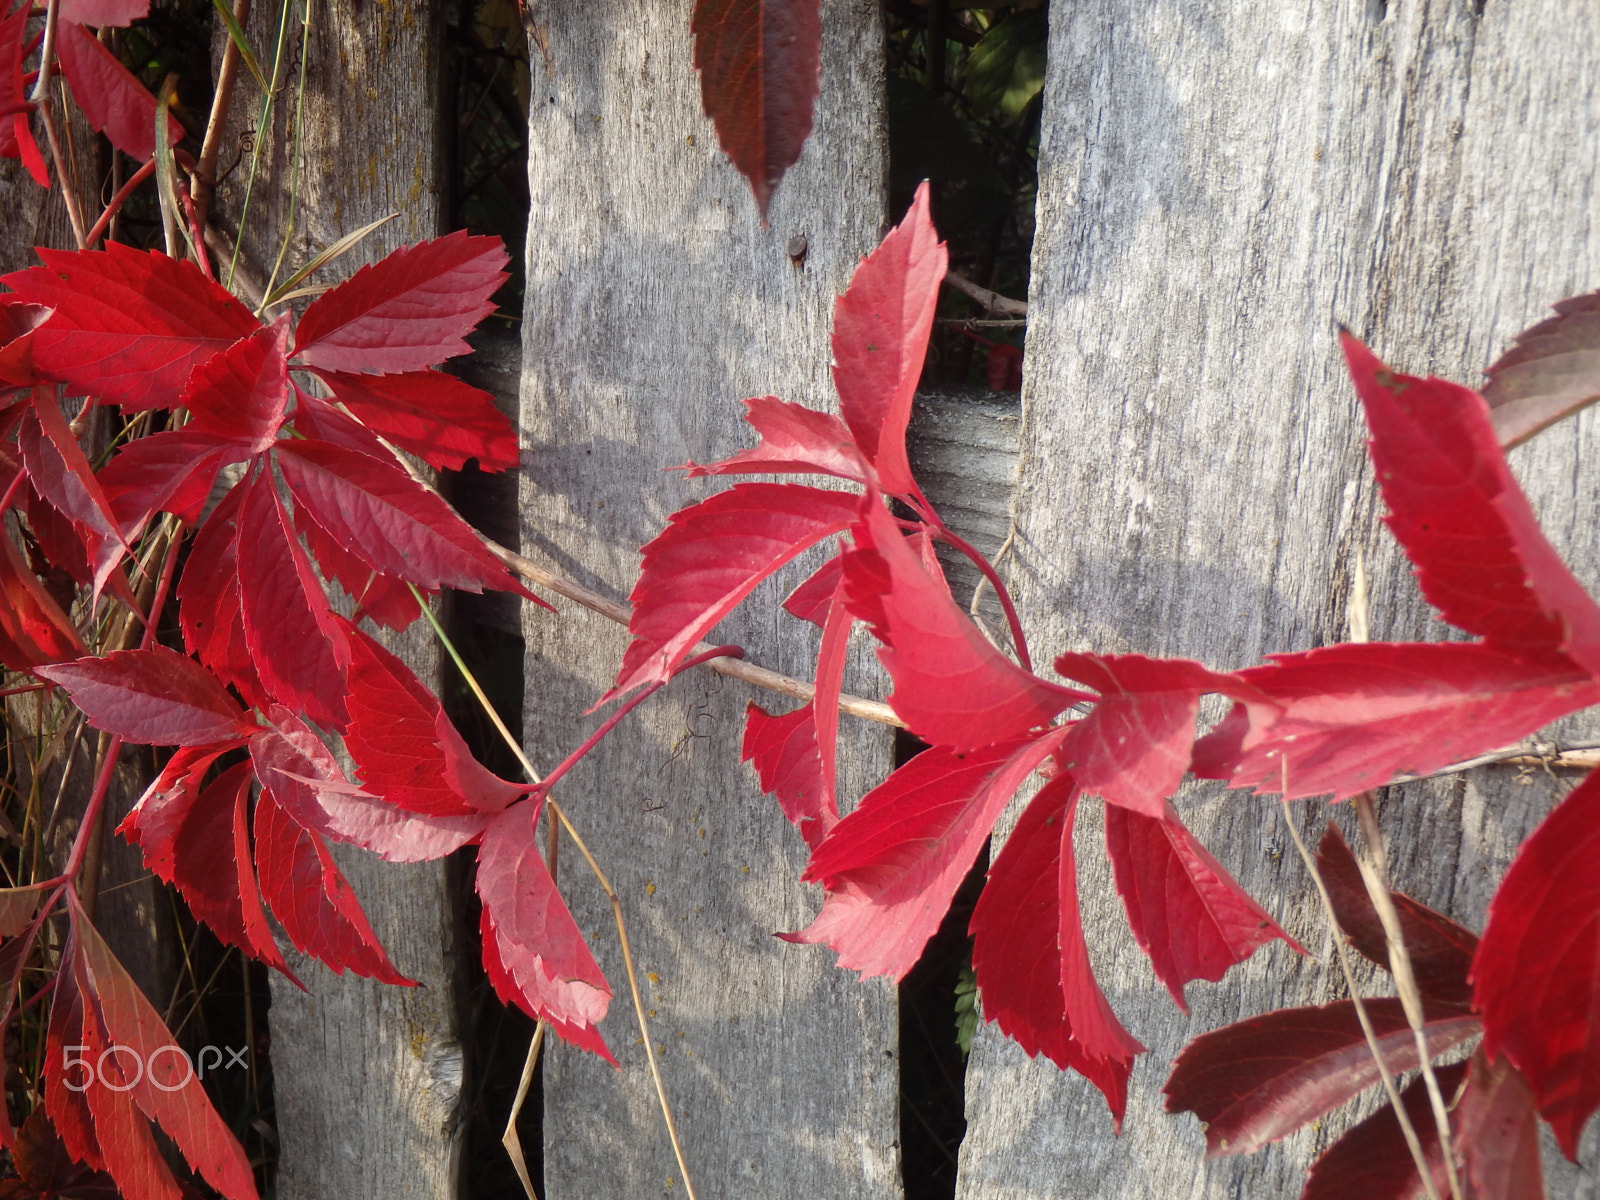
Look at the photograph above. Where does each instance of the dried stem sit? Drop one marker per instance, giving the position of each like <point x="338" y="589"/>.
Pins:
<point x="205" y="175"/>
<point x="41" y="97"/>
<point x="509" y="1138"/>
<point x="993" y="301"/>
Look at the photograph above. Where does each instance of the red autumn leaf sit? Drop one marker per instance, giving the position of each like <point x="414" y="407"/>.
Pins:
<point x="794" y="440"/>
<point x="1536" y="977"/>
<point x="1346" y="718"/>
<point x="14" y="956"/>
<point x="1552" y="371"/>
<point x="1373" y="1161"/>
<point x="45" y="1169"/>
<point x="880" y="336"/>
<point x="1258" y="1080"/>
<point x="155" y="696"/>
<point x="240" y="394"/>
<point x="128" y="326"/>
<point x="17" y="323"/>
<point x="379" y="513"/>
<point x="783" y="750"/>
<point x="1497" y="1133"/>
<point x="1440" y="950"/>
<point x="709" y="558"/>
<point x="113" y="101"/>
<point x="172" y="471"/>
<point x="16" y="137"/>
<point x="1455" y="508"/>
<point x="533" y="950"/>
<point x="210" y="612"/>
<point x="68" y="1108"/>
<point x="312" y="900"/>
<point x="320" y="421"/>
<point x="33" y="629"/>
<point x="759" y="63"/>
<point x="105" y="12"/>
<point x="60" y="547"/>
<point x="62" y="475"/>
<point x="813" y="600"/>
<point x="1188" y="914"/>
<point x="383" y="598"/>
<point x="198" y="840"/>
<point x="435" y="416"/>
<point x="405" y="748"/>
<point x="1029" y="955"/>
<point x="297" y="647"/>
<point x="892" y="866"/>
<point x="951" y="686"/>
<point x="406" y="312"/>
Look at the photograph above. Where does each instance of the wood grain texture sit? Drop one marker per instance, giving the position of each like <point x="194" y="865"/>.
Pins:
<point x="367" y="1077"/>
<point x="656" y="301"/>
<point x="1219" y="186"/>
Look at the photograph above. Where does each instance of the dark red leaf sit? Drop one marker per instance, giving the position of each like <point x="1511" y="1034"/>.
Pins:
<point x="759" y="62"/>
<point x="709" y="558"/>
<point x="1343" y="719"/>
<point x="1552" y="371"/>
<point x="951" y="686"/>
<point x="1029" y="955"/>
<point x="172" y="471"/>
<point x="1373" y="1162"/>
<point x="435" y="416"/>
<point x="320" y="421"/>
<point x="62" y="475"/>
<point x="1440" y="950"/>
<point x="128" y="326"/>
<point x="153" y="696"/>
<point x="1258" y="1080"/>
<point x="1187" y="913"/>
<point x="16" y="137"/>
<point x="47" y="1170"/>
<point x="105" y="12"/>
<point x="892" y="866"/>
<point x="17" y="321"/>
<point x="1497" y="1133"/>
<point x="406" y="312"/>
<point x="68" y="1108"/>
<point x="1536" y="978"/>
<point x="1455" y="508"/>
<point x="33" y="629"/>
<point x="241" y="394"/>
<point x="113" y="101"/>
<point x="60" y="547"/>
<point x="880" y="336"/>
<point x="534" y="952"/>
<point x="794" y="440"/>
<point x="383" y="598"/>
<point x="210" y="611"/>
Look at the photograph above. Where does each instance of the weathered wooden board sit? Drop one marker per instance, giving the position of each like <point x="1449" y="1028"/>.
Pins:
<point x="367" y="1077"/>
<point x="1219" y="186"/>
<point x="656" y="301"/>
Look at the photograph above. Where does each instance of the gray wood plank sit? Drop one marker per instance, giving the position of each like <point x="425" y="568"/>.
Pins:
<point x="655" y="302"/>
<point x="1219" y="186"/>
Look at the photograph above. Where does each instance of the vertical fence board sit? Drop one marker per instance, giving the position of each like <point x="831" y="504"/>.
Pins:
<point x="1219" y="185"/>
<point x="656" y="301"/>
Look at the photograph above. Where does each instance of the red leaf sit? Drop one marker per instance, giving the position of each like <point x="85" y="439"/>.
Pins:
<point x="1373" y="1161"/>
<point x="320" y="421"/>
<point x="1481" y="558"/>
<point x="199" y="841"/>
<point x="16" y="137"/>
<point x="1187" y="913"/>
<point x="709" y="558"/>
<point x="759" y="65"/>
<point x="1029" y="955"/>
<point x="1259" y="1080"/>
<point x="17" y="320"/>
<point x="59" y="544"/>
<point x="128" y="326"/>
<point x="240" y="395"/>
<point x="435" y="416"/>
<point x="295" y="644"/>
<point x="385" y="599"/>
<point x="172" y="471"/>
<point x="105" y="12"/>
<point x="535" y="954"/>
<point x="210" y="611"/>
<point x="1440" y="950"/>
<point x="1347" y="718"/>
<point x="406" y="312"/>
<point x="1497" y="1132"/>
<point x="892" y="866"/>
<point x="68" y="1108"/>
<point x="377" y="512"/>
<point x="312" y="900"/>
<point x="154" y="696"/>
<point x="33" y="629"/>
<point x="113" y="101"/>
<point x="783" y="750"/>
<point x="404" y="746"/>
<point x="794" y="440"/>
<point x="1536" y="977"/>
<point x="880" y="336"/>
<point x="1552" y="371"/>
<point x="813" y="599"/>
<point x="951" y="686"/>
<point x="62" y="475"/>
<point x="48" y="1170"/>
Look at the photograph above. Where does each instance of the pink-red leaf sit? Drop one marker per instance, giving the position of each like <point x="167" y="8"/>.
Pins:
<point x="880" y="336"/>
<point x="1536" y="977"/>
<point x="406" y="312"/>
<point x="1497" y="1131"/>
<point x="114" y="102"/>
<point x="62" y="475"/>
<point x="1187" y="913"/>
<point x="535" y="953"/>
<point x="1030" y="958"/>
<point x="16" y="136"/>
<point x="951" y="686"/>
<point x="1552" y="371"/>
<point x="1481" y="558"/>
<point x="128" y="326"/>
<point x="241" y="394"/>
<point x="794" y="440"/>
<point x="709" y="558"/>
<point x="1373" y="1161"/>
<point x="105" y="12"/>
<point x="435" y="416"/>
<point x="783" y="750"/>
<point x="759" y="62"/>
<point x="154" y="696"/>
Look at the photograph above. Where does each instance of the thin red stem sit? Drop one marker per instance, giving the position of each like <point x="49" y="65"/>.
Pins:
<point x="91" y="812"/>
<point x="123" y="193"/>
<point x="195" y="231"/>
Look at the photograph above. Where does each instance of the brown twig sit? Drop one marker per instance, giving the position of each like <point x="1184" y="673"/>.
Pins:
<point x="41" y="97"/>
<point x="991" y="300"/>
<point x="205" y="173"/>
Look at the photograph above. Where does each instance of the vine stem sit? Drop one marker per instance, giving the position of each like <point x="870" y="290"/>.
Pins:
<point x="205" y="173"/>
<point x="126" y="190"/>
<point x="600" y="877"/>
<point x="41" y="97"/>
